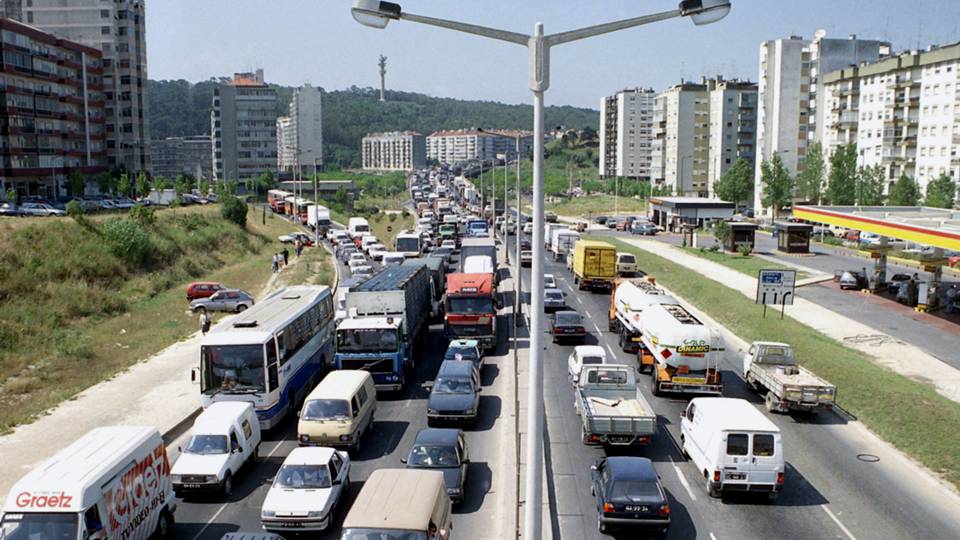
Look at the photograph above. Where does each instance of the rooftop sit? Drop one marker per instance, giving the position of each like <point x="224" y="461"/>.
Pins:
<point x="924" y="225"/>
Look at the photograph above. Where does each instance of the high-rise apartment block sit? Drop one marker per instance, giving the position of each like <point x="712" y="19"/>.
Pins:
<point x="244" y="127"/>
<point x="394" y="151"/>
<point x="286" y="144"/>
<point x="174" y="156"/>
<point x="456" y="146"/>
<point x="306" y="124"/>
<point x="626" y="134"/>
<point x="52" y="113"/>
<point x="118" y="29"/>
<point x="733" y="126"/>
<point x="903" y="113"/>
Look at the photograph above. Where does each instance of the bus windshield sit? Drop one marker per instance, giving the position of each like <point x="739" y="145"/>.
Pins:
<point x="30" y="526"/>
<point x="408" y="244"/>
<point x="367" y="340"/>
<point x="232" y="369"/>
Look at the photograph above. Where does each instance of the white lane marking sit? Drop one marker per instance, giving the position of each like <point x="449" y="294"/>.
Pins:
<point x="597" y="327"/>
<point x="579" y="301"/>
<point x="589" y="315"/>
<point x="224" y="506"/>
<point x="836" y="520"/>
<point x="612" y="354"/>
<point x="683" y="480"/>
<point x="712" y="537"/>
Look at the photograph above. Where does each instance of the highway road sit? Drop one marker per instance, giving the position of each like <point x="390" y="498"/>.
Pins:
<point x="829" y="493"/>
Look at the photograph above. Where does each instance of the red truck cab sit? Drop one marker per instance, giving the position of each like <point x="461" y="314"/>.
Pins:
<point x="471" y="308"/>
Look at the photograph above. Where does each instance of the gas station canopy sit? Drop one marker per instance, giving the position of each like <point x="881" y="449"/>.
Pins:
<point x="934" y="227"/>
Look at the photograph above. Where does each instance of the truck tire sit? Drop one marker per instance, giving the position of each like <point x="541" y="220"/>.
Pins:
<point x="226" y="489"/>
<point x="164" y="529"/>
<point x="771" y="403"/>
<point x="584" y="436"/>
<point x="654" y="382"/>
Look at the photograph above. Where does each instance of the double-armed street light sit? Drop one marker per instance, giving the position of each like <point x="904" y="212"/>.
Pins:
<point x="378" y="14"/>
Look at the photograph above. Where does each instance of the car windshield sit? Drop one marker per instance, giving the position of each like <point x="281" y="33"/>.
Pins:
<point x="461" y="353"/>
<point x="554" y="295"/>
<point x="634" y="490"/>
<point x="433" y="456"/>
<point x="627" y="259"/>
<point x="470" y="305"/>
<point x="452" y="385"/>
<point x="567" y="319"/>
<point x="39" y="526"/>
<point x="408" y="244"/>
<point x="232" y="368"/>
<point x="592" y="360"/>
<point x="325" y="409"/>
<point x="303" y="477"/>
<point x="382" y="534"/>
<point x="367" y="340"/>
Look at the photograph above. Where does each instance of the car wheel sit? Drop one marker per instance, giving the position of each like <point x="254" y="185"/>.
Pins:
<point x="714" y="492"/>
<point x="164" y="526"/>
<point x="227" y="488"/>
<point x="683" y="449"/>
<point x="200" y="310"/>
<point x="241" y="308"/>
<point x="600" y="526"/>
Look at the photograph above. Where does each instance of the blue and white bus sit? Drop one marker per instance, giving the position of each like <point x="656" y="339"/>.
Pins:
<point x="272" y="354"/>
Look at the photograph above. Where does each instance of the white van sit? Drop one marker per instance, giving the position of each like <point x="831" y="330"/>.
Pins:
<point x="733" y="445"/>
<point x="111" y="484"/>
<point x="224" y="438"/>
<point x="357" y="226"/>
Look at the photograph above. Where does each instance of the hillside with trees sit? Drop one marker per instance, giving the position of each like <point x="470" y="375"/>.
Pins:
<point x="180" y="108"/>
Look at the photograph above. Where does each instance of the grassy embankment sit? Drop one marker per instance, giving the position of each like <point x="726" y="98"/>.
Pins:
<point x="909" y="414"/>
<point x="75" y="313"/>
<point x="597" y="205"/>
<point x="750" y="266"/>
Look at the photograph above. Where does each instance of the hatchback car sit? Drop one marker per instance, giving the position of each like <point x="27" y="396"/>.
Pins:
<point x="306" y="490"/>
<point x="443" y="450"/>
<point x="235" y="300"/>
<point x="553" y="300"/>
<point x="202" y="289"/>
<point x="567" y="326"/>
<point x="465" y="349"/>
<point x="549" y="281"/>
<point x="628" y="493"/>
<point x="455" y="395"/>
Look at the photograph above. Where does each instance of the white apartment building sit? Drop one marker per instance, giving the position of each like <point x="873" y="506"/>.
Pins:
<point x="682" y="115"/>
<point x="792" y="106"/>
<point x="626" y="134"/>
<point x="286" y="144"/>
<point x="394" y="151"/>
<point x="306" y="121"/>
<point x="456" y="146"/>
<point x="733" y="121"/>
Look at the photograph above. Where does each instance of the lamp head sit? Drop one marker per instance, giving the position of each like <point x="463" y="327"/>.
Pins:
<point x="374" y="13"/>
<point x="705" y="11"/>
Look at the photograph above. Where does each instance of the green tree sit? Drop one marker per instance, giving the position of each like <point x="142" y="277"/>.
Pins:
<point x="842" y="184"/>
<point x="941" y="192"/>
<point x="11" y="196"/>
<point x="124" y="186"/>
<point x="810" y="179"/>
<point x="722" y="232"/>
<point x="736" y="185"/>
<point x="905" y="192"/>
<point x="106" y="182"/>
<point x="234" y="210"/>
<point x="777" y="184"/>
<point x="75" y="210"/>
<point x="76" y="182"/>
<point x="143" y="184"/>
<point x="204" y="186"/>
<point x="160" y="183"/>
<point x="870" y="182"/>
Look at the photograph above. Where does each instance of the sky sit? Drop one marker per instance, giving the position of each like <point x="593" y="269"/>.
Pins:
<point x="317" y="42"/>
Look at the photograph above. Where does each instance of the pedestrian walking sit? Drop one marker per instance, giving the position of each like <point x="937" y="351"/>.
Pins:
<point x="286" y="256"/>
<point x="298" y="248"/>
<point x="276" y="263"/>
<point x="204" y="323"/>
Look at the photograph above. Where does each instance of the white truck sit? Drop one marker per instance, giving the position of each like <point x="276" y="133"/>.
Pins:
<point x="612" y="410"/>
<point x="318" y="217"/>
<point x="548" y="229"/>
<point x="561" y="242"/>
<point x="771" y="368"/>
<point x="630" y="297"/>
<point x="683" y="353"/>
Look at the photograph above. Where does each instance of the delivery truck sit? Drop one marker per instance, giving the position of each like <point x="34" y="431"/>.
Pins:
<point x="470" y="247"/>
<point x="594" y="265"/>
<point x="318" y="217"/>
<point x="562" y="242"/>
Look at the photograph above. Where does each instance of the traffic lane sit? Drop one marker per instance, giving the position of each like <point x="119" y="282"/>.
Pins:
<point x="828" y="454"/>
<point x="398" y="419"/>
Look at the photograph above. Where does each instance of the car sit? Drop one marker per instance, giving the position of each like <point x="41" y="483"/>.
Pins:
<point x="528" y="228"/>
<point x="202" y="289"/>
<point x="643" y="228"/>
<point x="235" y="300"/>
<point x="376" y="251"/>
<point x="306" y="490"/>
<point x="455" y="394"/>
<point x="550" y="217"/>
<point x="124" y="203"/>
<point x="452" y="244"/>
<point x="443" y="252"/>
<point x="549" y="281"/>
<point x="353" y="264"/>
<point x="600" y="220"/>
<point x="40" y="209"/>
<point x="291" y="238"/>
<point x="445" y="450"/>
<point x="7" y="209"/>
<point x="614" y="222"/>
<point x="626" y="264"/>
<point x="525" y="244"/>
<point x="347" y="251"/>
<point x="362" y="271"/>
<point x="853" y="279"/>
<point x="584" y="355"/>
<point x="567" y="326"/>
<point x="553" y="300"/>
<point x="465" y="349"/>
<point x="628" y="494"/>
<point x="526" y="257"/>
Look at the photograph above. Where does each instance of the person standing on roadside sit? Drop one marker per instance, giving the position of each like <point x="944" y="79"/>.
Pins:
<point x="276" y="262"/>
<point x="286" y="256"/>
<point x="204" y="322"/>
<point x="298" y="248"/>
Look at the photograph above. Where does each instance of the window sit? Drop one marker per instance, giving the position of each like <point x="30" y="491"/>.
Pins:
<point x="104" y="30"/>
<point x="737" y="444"/>
<point x="762" y="445"/>
<point x="355" y="406"/>
<point x="247" y="430"/>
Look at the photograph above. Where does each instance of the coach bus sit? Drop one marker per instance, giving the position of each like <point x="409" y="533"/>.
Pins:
<point x="272" y="354"/>
<point x="275" y="198"/>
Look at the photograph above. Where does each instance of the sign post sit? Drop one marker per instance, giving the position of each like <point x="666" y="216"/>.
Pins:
<point x="776" y="287"/>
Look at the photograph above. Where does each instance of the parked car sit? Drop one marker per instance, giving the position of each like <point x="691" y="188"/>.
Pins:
<point x="600" y="220"/>
<point x="553" y="300"/>
<point x="550" y="217"/>
<point x="124" y="203"/>
<point x="614" y="222"/>
<point x="644" y="228"/>
<point x="526" y="257"/>
<point x="442" y="450"/>
<point x="853" y="279"/>
<point x="567" y="325"/>
<point x="202" y="289"/>
<point x="7" y="209"/>
<point x="628" y="493"/>
<point x="40" y="209"/>
<point x="465" y="349"/>
<point x="291" y="238"/>
<point x="455" y="395"/>
<point x="307" y="488"/>
<point x="235" y="300"/>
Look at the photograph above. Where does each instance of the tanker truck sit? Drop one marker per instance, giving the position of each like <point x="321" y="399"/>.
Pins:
<point x="630" y="297"/>
<point x="682" y="352"/>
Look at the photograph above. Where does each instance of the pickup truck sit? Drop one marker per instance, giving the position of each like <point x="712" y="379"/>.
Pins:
<point x="612" y="410"/>
<point x="770" y="367"/>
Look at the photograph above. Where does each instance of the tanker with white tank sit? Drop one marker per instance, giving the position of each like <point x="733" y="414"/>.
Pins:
<point x="683" y="353"/>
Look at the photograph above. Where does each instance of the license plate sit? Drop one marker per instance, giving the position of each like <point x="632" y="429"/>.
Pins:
<point x="191" y="486"/>
<point x="689" y="380"/>
<point x="292" y="524"/>
<point x="735" y="476"/>
<point x="637" y="509"/>
<point x="620" y="438"/>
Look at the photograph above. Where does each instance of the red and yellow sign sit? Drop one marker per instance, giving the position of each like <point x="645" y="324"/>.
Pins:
<point x="921" y="235"/>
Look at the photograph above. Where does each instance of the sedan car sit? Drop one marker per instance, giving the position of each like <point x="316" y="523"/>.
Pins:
<point x="549" y="281"/>
<point x="7" y="209"/>
<point x="40" y="209"/>
<point x="550" y="217"/>
<point x="353" y="263"/>
<point x="455" y="395"/>
<point x="584" y="355"/>
<point x="528" y="228"/>
<point x="443" y="450"/>
<point x="643" y="228"/>
<point x="567" y="326"/>
<point x="306" y="490"/>
<point x="526" y="258"/>
<point x="628" y="494"/>
<point x="235" y="300"/>
<point x="600" y="220"/>
<point x="525" y="244"/>
<point x="553" y="300"/>
<point x="465" y="349"/>
<point x="292" y="238"/>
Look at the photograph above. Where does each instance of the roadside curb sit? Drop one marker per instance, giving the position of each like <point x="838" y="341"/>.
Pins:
<point x="181" y="427"/>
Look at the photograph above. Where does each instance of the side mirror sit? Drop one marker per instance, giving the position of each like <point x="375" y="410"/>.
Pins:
<point x="683" y="413"/>
<point x="403" y="460"/>
<point x="268" y="480"/>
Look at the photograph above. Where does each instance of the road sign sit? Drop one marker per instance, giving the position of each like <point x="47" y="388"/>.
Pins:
<point x="776" y="287"/>
<point x="389" y="228"/>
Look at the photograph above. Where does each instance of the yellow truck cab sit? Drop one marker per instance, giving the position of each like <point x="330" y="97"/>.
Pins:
<point x="594" y="265"/>
<point x="338" y="411"/>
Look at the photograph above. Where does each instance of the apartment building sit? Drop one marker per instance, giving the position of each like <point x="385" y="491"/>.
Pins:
<point x="174" y="156"/>
<point x="732" y="131"/>
<point x="456" y="146"/>
<point x="244" y="127"/>
<point x="304" y="137"/>
<point x="286" y="144"/>
<point x="626" y="134"/>
<point x="792" y="106"/>
<point x="682" y="114"/>
<point x="903" y="112"/>
<point x="52" y="111"/>
<point x="394" y="151"/>
<point x="118" y="29"/>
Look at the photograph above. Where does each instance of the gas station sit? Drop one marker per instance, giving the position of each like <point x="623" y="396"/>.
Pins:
<point x="936" y="228"/>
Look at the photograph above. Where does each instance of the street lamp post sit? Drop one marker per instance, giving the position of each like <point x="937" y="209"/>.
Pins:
<point x="378" y="14"/>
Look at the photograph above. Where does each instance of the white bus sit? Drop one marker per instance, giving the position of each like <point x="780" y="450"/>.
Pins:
<point x="409" y="243"/>
<point x="358" y="226"/>
<point x="271" y="355"/>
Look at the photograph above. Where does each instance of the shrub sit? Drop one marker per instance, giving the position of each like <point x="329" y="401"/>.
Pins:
<point x="234" y="210"/>
<point x="392" y="218"/>
<point x="745" y="249"/>
<point x="75" y="211"/>
<point x="127" y="239"/>
<point x="70" y="343"/>
<point x="143" y="215"/>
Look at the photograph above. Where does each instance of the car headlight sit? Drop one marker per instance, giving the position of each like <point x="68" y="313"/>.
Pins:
<point x="345" y="438"/>
<point x="431" y="411"/>
<point x="268" y="514"/>
<point x="315" y="514"/>
<point x="212" y="479"/>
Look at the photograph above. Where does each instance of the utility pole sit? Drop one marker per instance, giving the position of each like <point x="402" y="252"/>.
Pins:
<point x="383" y="77"/>
<point x="517" y="283"/>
